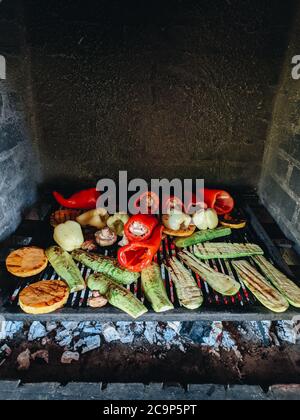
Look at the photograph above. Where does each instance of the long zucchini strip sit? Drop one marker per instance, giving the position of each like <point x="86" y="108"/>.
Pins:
<point x="261" y="288"/>
<point x="66" y="268"/>
<point x="221" y="283"/>
<point x="188" y="293"/>
<point x="117" y="295"/>
<point x="285" y="286"/>
<point x="106" y="265"/>
<point x="154" y="289"/>
<point x="223" y="250"/>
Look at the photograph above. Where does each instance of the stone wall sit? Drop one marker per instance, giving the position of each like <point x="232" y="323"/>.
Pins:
<point x="280" y="184"/>
<point x="159" y="88"/>
<point x="18" y="163"/>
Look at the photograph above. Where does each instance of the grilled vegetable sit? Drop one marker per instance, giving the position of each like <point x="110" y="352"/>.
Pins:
<point x="233" y="221"/>
<point x="106" y="237"/>
<point x="220" y="282"/>
<point x="66" y="268"/>
<point x="206" y="219"/>
<point x="116" y="223"/>
<point x="223" y="250"/>
<point x="69" y="235"/>
<point x="260" y="287"/>
<point x="116" y="295"/>
<point x="154" y="289"/>
<point x="285" y="286"/>
<point x="188" y="293"/>
<point x="202" y="236"/>
<point x="106" y="265"/>
<point x="176" y="220"/>
<point x="96" y="218"/>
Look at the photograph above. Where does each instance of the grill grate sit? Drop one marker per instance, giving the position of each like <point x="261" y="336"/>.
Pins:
<point x="216" y="307"/>
<point x="167" y="250"/>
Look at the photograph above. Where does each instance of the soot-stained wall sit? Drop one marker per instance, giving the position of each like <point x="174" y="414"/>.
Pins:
<point x="158" y="88"/>
<point x="19" y="168"/>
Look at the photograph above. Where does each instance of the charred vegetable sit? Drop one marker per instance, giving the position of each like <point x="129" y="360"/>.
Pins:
<point x="66" y="268"/>
<point x="223" y="250"/>
<point x="202" y="236"/>
<point x="188" y="293"/>
<point x="106" y="265"/>
<point x="154" y="289"/>
<point x="117" y="295"/>
<point x="220" y="282"/>
<point x="285" y="286"/>
<point x="260" y="287"/>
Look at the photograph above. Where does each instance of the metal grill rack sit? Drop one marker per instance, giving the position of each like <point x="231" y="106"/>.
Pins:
<point x="243" y="306"/>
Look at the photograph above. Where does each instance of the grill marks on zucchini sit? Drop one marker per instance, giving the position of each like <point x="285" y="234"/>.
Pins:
<point x="225" y="250"/>
<point x="106" y="265"/>
<point x="221" y="283"/>
<point x="188" y="293"/>
<point x="260" y="287"/>
<point x="288" y="288"/>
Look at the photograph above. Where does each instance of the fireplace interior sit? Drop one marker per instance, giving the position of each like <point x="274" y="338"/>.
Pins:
<point x="173" y="89"/>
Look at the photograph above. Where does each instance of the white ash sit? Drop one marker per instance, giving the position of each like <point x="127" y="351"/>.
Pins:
<point x="255" y="332"/>
<point x="110" y="333"/>
<point x="12" y="329"/>
<point x="36" y="331"/>
<point x="91" y="343"/>
<point x="125" y="331"/>
<point x="71" y="326"/>
<point x="286" y="332"/>
<point x="51" y="326"/>
<point x="68" y="357"/>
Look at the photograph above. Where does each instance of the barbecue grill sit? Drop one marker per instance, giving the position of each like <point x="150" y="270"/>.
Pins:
<point x="243" y="306"/>
<point x="171" y="89"/>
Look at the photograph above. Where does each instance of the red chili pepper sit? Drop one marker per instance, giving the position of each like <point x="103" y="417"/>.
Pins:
<point x="145" y="222"/>
<point x="147" y="203"/>
<point x="138" y="255"/>
<point x="219" y="200"/>
<point x="170" y="203"/>
<point x="86" y="199"/>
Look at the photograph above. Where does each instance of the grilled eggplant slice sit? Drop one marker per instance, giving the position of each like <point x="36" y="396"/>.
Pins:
<point x="221" y="283"/>
<point x="188" y="293"/>
<point x="106" y="265"/>
<point x="117" y="295"/>
<point x="285" y="286"/>
<point x="154" y="289"/>
<point x="261" y="288"/>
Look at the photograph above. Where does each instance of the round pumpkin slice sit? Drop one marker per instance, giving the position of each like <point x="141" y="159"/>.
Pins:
<point x="44" y="297"/>
<point x="26" y="262"/>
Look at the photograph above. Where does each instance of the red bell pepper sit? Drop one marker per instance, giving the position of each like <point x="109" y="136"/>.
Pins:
<point x="147" y="203"/>
<point x="86" y="199"/>
<point x="170" y="203"/>
<point x="219" y="200"/>
<point x="140" y="227"/>
<point x="138" y="255"/>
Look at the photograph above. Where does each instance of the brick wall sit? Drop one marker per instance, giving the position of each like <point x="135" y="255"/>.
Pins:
<point x="280" y="184"/>
<point x="18" y="168"/>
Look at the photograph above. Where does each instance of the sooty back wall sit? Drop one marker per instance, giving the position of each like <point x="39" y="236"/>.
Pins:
<point x="158" y="88"/>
